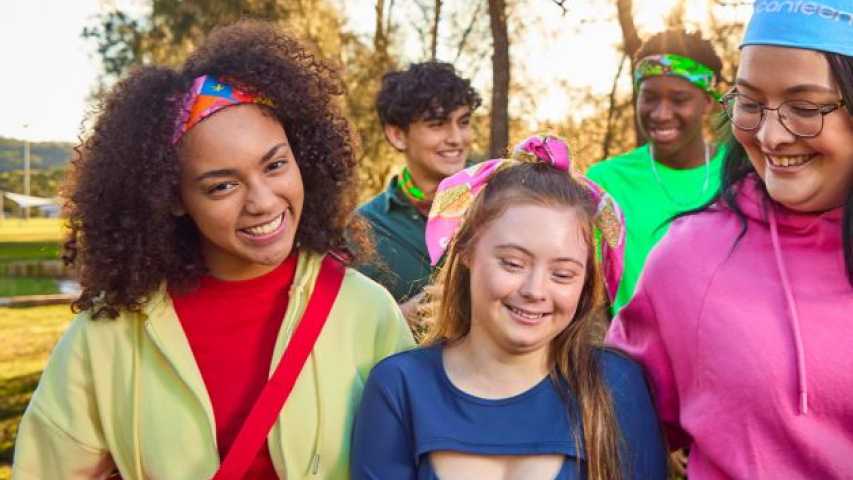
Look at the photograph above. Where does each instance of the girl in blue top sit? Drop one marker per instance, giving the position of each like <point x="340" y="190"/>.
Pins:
<point x="510" y="383"/>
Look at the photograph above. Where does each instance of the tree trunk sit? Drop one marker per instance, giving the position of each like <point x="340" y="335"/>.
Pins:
<point x="434" y="47"/>
<point x="380" y="41"/>
<point x="499" y="130"/>
<point x="631" y="41"/>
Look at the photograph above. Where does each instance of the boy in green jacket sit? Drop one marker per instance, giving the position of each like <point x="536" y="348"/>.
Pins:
<point x="426" y="115"/>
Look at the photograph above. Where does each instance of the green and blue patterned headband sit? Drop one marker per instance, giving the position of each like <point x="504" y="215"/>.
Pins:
<point x="672" y="65"/>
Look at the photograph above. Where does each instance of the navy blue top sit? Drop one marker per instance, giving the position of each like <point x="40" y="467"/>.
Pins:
<point x="410" y="408"/>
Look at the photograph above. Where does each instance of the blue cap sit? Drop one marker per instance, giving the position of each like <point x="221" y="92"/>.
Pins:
<point x="825" y="25"/>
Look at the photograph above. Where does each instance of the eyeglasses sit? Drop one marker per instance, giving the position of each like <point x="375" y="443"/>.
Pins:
<point x="800" y="118"/>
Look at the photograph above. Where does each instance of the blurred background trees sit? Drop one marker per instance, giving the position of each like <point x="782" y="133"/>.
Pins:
<point x="484" y="39"/>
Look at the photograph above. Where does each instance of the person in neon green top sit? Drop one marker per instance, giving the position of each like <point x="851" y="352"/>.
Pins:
<point x="677" y="170"/>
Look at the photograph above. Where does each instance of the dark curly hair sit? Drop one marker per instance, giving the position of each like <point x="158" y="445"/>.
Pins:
<point x="426" y="91"/>
<point x="123" y="185"/>
<point x="684" y="43"/>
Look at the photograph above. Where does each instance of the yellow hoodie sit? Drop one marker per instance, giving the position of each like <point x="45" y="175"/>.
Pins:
<point x="127" y="394"/>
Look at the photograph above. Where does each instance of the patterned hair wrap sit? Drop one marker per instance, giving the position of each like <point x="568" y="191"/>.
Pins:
<point x="456" y="193"/>
<point x="672" y="65"/>
<point x="825" y="25"/>
<point x="207" y="96"/>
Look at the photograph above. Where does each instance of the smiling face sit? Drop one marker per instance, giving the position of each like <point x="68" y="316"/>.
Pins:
<point x="526" y="279"/>
<point x="435" y="148"/>
<point x="670" y="112"/>
<point x="804" y="174"/>
<point x="242" y="187"/>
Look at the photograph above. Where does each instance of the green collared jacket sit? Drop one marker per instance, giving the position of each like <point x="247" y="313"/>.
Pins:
<point x="402" y="264"/>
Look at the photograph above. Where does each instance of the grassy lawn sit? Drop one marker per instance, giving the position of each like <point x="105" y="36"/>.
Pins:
<point x="13" y="286"/>
<point x="32" y="230"/>
<point x="28" y="335"/>
<point x="26" y="250"/>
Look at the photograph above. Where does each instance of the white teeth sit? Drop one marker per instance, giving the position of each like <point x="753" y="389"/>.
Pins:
<point x="450" y="154"/>
<point x="664" y="134"/>
<point x="266" y="228"/>
<point x="525" y="314"/>
<point x="788" y="161"/>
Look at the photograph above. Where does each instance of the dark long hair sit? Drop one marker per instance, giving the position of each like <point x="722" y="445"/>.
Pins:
<point x="737" y="166"/>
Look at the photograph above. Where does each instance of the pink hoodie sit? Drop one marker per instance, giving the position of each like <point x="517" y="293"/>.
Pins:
<point x="749" y="351"/>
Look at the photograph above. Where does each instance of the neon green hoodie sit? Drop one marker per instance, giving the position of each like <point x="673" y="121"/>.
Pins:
<point x="127" y="393"/>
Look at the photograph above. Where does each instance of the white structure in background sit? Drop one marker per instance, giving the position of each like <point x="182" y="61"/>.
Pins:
<point x="48" y="206"/>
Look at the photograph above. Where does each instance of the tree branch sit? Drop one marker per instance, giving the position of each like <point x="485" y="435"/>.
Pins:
<point x="467" y="31"/>
<point x="611" y="110"/>
<point x="562" y="5"/>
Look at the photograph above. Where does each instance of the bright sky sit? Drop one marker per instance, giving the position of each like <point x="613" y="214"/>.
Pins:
<point x="49" y="69"/>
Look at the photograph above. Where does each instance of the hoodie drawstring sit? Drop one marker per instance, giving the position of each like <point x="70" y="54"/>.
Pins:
<point x="794" y="317"/>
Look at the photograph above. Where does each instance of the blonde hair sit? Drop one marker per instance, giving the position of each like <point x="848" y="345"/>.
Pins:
<point x="572" y="352"/>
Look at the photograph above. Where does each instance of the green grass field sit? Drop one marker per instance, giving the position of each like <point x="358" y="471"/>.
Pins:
<point x="28" y="250"/>
<point x="35" y="239"/>
<point x="14" y="286"/>
<point x="28" y="336"/>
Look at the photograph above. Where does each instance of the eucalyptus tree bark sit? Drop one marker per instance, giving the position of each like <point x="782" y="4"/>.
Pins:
<point x="499" y="129"/>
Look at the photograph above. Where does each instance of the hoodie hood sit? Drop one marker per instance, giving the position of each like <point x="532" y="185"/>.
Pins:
<point x="820" y="230"/>
<point x="815" y="230"/>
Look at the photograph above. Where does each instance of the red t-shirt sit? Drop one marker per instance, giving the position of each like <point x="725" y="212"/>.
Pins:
<point x="232" y="327"/>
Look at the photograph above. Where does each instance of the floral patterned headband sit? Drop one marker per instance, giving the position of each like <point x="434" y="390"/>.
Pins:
<point x="456" y="194"/>
<point x="207" y="96"/>
<point x="670" y="64"/>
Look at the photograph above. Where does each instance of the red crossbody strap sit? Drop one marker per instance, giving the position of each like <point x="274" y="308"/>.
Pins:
<point x="265" y="412"/>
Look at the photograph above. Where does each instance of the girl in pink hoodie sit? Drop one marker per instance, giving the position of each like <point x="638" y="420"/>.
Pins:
<point x="743" y="317"/>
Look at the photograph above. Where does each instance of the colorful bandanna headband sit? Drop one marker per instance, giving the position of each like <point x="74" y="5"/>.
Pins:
<point x="670" y="64"/>
<point x="455" y="194"/>
<point x="207" y="96"/>
<point x="825" y="25"/>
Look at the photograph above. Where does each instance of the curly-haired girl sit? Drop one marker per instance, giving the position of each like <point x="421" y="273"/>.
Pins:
<point x="202" y="208"/>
